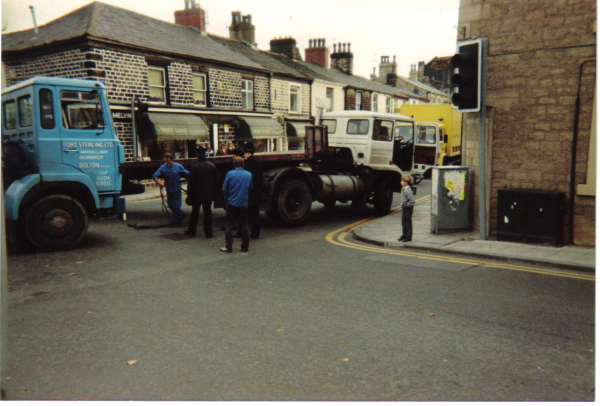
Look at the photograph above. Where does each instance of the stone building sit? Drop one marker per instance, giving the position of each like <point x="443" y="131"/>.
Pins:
<point x="540" y="126"/>
<point x="346" y="90"/>
<point x="290" y="93"/>
<point x="388" y="74"/>
<point x="436" y="73"/>
<point x="188" y="82"/>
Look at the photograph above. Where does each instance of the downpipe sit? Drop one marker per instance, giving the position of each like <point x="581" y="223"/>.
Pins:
<point x="574" y="154"/>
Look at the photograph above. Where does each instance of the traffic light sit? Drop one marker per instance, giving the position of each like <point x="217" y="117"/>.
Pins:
<point x="466" y="80"/>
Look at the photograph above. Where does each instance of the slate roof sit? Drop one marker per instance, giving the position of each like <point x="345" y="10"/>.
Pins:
<point x="101" y="21"/>
<point x="357" y="82"/>
<point x="266" y="59"/>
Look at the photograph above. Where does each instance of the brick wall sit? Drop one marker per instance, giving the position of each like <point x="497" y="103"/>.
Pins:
<point x="536" y="50"/>
<point x="67" y="64"/>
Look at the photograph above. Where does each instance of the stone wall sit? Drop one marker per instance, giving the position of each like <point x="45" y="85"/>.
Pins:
<point x="280" y="98"/>
<point x="67" y="64"/>
<point x="539" y="62"/>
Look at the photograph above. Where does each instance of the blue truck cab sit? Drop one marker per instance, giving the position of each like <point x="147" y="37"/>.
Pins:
<point x="60" y="158"/>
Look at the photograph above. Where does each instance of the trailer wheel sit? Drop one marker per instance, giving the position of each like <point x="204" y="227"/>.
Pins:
<point x="384" y="195"/>
<point x="56" y="222"/>
<point x="293" y="202"/>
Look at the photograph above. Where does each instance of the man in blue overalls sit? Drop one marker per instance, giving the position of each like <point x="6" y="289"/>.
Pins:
<point x="172" y="172"/>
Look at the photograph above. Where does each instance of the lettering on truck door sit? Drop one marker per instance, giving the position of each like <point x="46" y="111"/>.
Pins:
<point x="85" y="142"/>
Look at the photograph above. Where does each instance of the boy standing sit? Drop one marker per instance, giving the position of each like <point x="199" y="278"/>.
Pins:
<point x="407" y="202"/>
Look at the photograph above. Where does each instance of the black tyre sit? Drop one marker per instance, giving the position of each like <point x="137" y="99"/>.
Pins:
<point x="383" y="197"/>
<point x="56" y="222"/>
<point x="293" y="203"/>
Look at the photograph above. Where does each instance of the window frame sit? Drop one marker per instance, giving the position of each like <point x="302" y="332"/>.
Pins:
<point x="375" y="102"/>
<point x="377" y="124"/>
<point x="20" y="111"/>
<point x="43" y="111"/>
<point x="358" y="104"/>
<point x="334" y="121"/>
<point x="361" y="120"/>
<point x="388" y="104"/>
<point x="247" y="93"/>
<point x="330" y="97"/>
<point x="12" y="102"/>
<point x="151" y="86"/>
<point x="297" y="94"/>
<point x="204" y="91"/>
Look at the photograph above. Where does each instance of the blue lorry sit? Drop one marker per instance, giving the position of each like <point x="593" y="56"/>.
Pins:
<point x="62" y="161"/>
<point x="61" y="158"/>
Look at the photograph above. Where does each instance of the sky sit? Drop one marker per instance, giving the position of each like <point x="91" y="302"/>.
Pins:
<point x="412" y="30"/>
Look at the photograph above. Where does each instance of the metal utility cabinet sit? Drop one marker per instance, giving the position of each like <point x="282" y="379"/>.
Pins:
<point x="449" y="198"/>
<point x="530" y="216"/>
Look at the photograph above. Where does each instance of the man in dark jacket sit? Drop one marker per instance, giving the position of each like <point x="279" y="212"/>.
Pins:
<point x="202" y="186"/>
<point x="254" y="166"/>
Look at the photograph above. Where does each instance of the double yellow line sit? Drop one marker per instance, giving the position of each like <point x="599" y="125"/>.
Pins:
<point x="338" y="237"/>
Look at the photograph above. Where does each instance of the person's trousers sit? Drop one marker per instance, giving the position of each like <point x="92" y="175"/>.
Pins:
<point x="254" y="219"/>
<point x="207" y="211"/>
<point x="239" y="215"/>
<point x="407" y="213"/>
<point x="174" y="203"/>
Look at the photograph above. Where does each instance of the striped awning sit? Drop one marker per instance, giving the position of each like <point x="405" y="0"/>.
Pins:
<point x="260" y="127"/>
<point x="169" y="126"/>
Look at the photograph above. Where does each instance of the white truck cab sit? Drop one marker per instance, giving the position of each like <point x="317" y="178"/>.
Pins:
<point x="372" y="137"/>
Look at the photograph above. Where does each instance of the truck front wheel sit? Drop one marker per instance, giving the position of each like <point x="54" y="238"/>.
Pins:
<point x="383" y="197"/>
<point x="293" y="203"/>
<point x="56" y="222"/>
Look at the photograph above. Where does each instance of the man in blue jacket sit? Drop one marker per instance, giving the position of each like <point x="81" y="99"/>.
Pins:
<point x="236" y="188"/>
<point x="172" y="172"/>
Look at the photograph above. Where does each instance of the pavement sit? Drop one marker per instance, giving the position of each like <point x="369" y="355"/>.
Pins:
<point x="384" y="231"/>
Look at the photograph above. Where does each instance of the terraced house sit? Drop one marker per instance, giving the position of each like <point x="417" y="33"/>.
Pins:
<point x="170" y="86"/>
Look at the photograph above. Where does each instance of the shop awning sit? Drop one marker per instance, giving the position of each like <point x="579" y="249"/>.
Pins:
<point x="296" y="128"/>
<point x="169" y="126"/>
<point x="260" y="127"/>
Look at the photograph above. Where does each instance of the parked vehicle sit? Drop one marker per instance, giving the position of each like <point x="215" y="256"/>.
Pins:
<point x="60" y="158"/>
<point x="438" y="138"/>
<point x="63" y="162"/>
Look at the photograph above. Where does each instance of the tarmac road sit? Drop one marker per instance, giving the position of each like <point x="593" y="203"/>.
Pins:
<point x="146" y="315"/>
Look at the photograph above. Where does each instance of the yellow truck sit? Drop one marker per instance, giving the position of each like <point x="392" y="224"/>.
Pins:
<point x="438" y="136"/>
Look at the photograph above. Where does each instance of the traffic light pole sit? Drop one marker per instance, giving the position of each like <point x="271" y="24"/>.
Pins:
<point x="482" y="143"/>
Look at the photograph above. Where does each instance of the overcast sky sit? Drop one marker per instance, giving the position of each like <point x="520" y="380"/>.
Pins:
<point x="413" y="30"/>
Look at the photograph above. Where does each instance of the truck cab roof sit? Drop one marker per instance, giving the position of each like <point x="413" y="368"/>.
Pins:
<point x="52" y="81"/>
<point x="364" y="114"/>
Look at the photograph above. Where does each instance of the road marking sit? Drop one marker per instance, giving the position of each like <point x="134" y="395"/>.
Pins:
<point x="338" y="237"/>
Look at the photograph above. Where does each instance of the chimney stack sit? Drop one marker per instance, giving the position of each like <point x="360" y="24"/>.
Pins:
<point x="286" y="46"/>
<point x="317" y="52"/>
<point x="341" y="59"/>
<point x="192" y="16"/>
<point x="241" y="28"/>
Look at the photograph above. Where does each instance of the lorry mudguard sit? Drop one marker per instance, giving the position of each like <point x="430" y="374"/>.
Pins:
<point x="15" y="193"/>
<point x="58" y="173"/>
